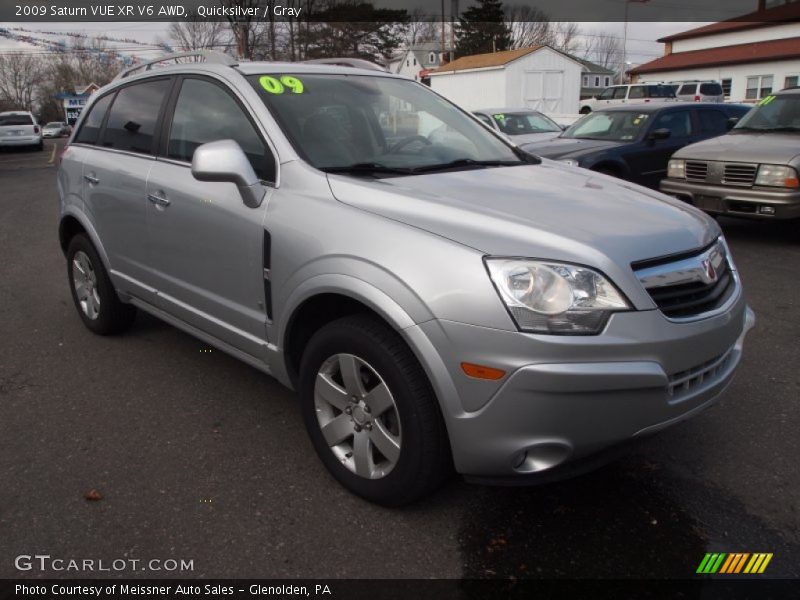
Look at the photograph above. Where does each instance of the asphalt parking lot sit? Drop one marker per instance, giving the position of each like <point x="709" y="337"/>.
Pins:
<point x="197" y="456"/>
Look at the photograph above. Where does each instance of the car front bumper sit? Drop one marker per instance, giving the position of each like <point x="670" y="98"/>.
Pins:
<point x="566" y="398"/>
<point x="756" y="203"/>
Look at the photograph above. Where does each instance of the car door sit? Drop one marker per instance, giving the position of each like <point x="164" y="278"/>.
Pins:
<point x="711" y="122"/>
<point x="115" y="172"/>
<point x="650" y="165"/>
<point x="205" y="246"/>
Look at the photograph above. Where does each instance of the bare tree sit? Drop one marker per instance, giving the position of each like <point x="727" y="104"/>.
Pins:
<point x="605" y="49"/>
<point x="529" y="26"/>
<point x="420" y="28"/>
<point x="248" y="32"/>
<point x="567" y="38"/>
<point x="20" y="76"/>
<point x="198" y="34"/>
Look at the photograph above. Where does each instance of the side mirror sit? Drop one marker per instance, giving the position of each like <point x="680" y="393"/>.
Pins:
<point x="660" y="134"/>
<point x="225" y="160"/>
<point x="732" y="122"/>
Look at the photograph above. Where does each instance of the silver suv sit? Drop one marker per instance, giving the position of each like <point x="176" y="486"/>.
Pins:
<point x="437" y="305"/>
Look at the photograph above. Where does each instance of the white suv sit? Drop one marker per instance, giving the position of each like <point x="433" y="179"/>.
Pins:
<point x="19" y="128"/>
<point x="699" y="91"/>
<point x="629" y="94"/>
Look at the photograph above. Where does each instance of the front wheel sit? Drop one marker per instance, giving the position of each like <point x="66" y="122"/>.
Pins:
<point x="585" y="110"/>
<point x="371" y="412"/>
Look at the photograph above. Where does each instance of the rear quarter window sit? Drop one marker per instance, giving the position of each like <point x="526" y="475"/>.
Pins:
<point x="90" y="127"/>
<point x="688" y="88"/>
<point x="660" y="91"/>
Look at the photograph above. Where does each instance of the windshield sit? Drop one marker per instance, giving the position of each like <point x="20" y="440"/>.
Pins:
<point x="616" y="126"/>
<point x="521" y="123"/>
<point x="368" y="124"/>
<point x="773" y="113"/>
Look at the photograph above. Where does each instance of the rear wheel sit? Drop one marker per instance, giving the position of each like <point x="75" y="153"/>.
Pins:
<point x="92" y="291"/>
<point x="371" y="412"/>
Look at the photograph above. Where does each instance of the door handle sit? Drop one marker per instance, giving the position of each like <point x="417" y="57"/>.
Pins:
<point x="158" y="200"/>
<point x="91" y="179"/>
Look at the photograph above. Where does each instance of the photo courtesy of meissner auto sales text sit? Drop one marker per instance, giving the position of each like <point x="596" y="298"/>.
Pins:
<point x="388" y="298"/>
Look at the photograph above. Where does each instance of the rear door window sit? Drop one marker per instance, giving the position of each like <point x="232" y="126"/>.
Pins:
<point x="134" y="116"/>
<point x="90" y="127"/>
<point x="619" y="93"/>
<point x="688" y="88"/>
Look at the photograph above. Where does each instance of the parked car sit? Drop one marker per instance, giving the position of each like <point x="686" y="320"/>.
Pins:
<point x="19" y="128"/>
<point x="435" y="305"/>
<point x="750" y="172"/>
<point x="638" y="93"/>
<point x="55" y="129"/>
<point x="699" y="91"/>
<point x="522" y="125"/>
<point x="635" y="143"/>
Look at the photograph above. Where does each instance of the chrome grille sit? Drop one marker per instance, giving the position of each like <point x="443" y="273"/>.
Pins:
<point x="689" y="286"/>
<point x="739" y="174"/>
<point x="696" y="171"/>
<point x="685" y="382"/>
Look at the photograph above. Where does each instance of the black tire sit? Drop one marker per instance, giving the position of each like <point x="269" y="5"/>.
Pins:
<point x="113" y="316"/>
<point x="424" y="461"/>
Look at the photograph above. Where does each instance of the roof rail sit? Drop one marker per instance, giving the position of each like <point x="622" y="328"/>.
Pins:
<point x="209" y="56"/>
<point x="356" y="63"/>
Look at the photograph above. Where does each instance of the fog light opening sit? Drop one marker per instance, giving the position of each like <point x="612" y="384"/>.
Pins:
<point x="766" y="210"/>
<point x="540" y="457"/>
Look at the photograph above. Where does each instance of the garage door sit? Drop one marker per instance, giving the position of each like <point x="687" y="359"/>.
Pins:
<point x="543" y="90"/>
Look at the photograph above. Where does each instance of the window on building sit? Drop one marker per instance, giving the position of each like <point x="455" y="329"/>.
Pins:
<point x="431" y="58"/>
<point x="608" y="81"/>
<point x="791" y="81"/>
<point x="585" y="81"/>
<point x="758" y="86"/>
<point x="408" y="62"/>
<point x="726" y="87"/>
<point x="415" y="62"/>
<point x="596" y="82"/>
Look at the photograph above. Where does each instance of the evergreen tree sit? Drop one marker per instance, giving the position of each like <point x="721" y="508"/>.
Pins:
<point x="482" y="28"/>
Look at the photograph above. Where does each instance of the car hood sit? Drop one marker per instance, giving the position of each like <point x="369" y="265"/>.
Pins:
<point x="546" y="211"/>
<point x="568" y="147"/>
<point x="776" y="148"/>
<point x="528" y="138"/>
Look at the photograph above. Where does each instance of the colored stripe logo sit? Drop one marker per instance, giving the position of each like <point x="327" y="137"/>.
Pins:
<point x="734" y="563"/>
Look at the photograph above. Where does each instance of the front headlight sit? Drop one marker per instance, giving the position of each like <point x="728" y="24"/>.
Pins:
<point x="676" y="169"/>
<point x="555" y="298"/>
<point x="777" y="176"/>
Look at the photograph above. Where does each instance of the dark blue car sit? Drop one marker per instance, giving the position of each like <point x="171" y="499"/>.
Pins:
<point x="636" y="142"/>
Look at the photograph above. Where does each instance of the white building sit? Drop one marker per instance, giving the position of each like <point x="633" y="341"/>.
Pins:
<point x="537" y="77"/>
<point x="752" y="56"/>
<point x="416" y="62"/>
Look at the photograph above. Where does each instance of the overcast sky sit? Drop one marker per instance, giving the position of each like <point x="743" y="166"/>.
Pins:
<point x="641" y="47"/>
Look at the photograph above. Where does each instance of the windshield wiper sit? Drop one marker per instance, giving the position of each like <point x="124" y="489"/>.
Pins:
<point x="785" y="128"/>
<point x="368" y="168"/>
<point x="467" y="162"/>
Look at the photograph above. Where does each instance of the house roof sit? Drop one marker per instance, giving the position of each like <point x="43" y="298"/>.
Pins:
<point x="591" y="67"/>
<point x="724" y="55"/>
<point x="482" y="61"/>
<point x="760" y="18"/>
